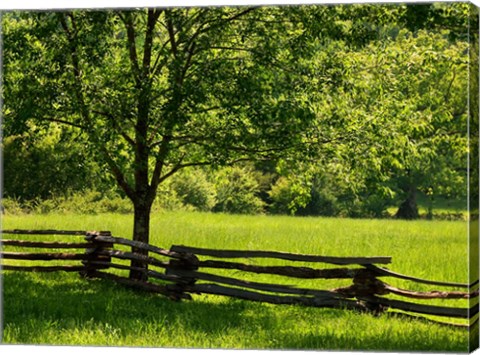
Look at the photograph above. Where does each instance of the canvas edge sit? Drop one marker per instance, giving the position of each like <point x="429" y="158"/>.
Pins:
<point x="473" y="173"/>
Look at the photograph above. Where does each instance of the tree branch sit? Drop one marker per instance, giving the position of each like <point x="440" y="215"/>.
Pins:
<point x="214" y="23"/>
<point x="153" y="16"/>
<point x="131" y="44"/>
<point x="157" y="66"/>
<point x="447" y="94"/>
<point x="179" y="166"/>
<point x="222" y="22"/>
<point x="171" y="34"/>
<point x="116" y="126"/>
<point x="64" y="122"/>
<point x="159" y="164"/>
<point x="188" y="62"/>
<point x="77" y="73"/>
<point x="230" y="48"/>
<point x="117" y="173"/>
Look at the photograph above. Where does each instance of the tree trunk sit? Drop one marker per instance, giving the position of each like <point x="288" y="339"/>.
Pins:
<point x="409" y="209"/>
<point x="430" y="207"/>
<point x="141" y="233"/>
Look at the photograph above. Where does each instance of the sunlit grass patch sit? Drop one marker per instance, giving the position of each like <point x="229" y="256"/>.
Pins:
<point x="62" y="308"/>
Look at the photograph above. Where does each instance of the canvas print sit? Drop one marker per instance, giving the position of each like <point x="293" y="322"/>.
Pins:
<point x="299" y="177"/>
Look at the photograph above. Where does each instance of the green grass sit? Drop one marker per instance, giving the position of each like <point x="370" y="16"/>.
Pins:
<point x="62" y="308"/>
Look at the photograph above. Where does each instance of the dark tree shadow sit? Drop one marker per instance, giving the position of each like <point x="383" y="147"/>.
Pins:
<point x="68" y="302"/>
<point x="75" y="302"/>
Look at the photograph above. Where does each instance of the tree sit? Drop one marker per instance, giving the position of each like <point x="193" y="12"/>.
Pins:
<point x="397" y="110"/>
<point x="418" y="98"/>
<point x="417" y="83"/>
<point x="434" y="121"/>
<point x="158" y="90"/>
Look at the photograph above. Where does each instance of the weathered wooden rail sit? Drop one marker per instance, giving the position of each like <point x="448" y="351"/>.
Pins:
<point x="183" y="271"/>
<point x="86" y="252"/>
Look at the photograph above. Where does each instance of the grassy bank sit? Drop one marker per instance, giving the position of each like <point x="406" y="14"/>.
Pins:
<point x="64" y="309"/>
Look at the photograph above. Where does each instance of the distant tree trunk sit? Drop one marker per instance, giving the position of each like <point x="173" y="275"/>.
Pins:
<point x="141" y="232"/>
<point x="430" y="207"/>
<point x="409" y="209"/>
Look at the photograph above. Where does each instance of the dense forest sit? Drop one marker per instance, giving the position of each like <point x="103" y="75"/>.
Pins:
<point x="345" y="110"/>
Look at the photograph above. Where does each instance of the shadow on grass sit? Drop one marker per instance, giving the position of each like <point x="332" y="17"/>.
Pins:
<point x="33" y="303"/>
<point x="38" y="307"/>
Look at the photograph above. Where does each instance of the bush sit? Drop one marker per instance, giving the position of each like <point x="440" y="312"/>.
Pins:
<point x="237" y="191"/>
<point x="13" y="206"/>
<point x="167" y="199"/>
<point x="299" y="196"/>
<point x="87" y="202"/>
<point x="45" y="206"/>
<point x="282" y="197"/>
<point x="193" y="189"/>
<point x="323" y="202"/>
<point x="43" y="164"/>
<point x="114" y="204"/>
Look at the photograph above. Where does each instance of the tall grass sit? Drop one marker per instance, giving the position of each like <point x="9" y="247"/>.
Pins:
<point x="65" y="309"/>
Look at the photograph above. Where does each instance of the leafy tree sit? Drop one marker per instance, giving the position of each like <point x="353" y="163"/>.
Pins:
<point x="433" y="120"/>
<point x="159" y="90"/>
<point x="396" y="108"/>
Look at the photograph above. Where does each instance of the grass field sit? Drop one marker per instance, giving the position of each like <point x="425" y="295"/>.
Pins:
<point x="65" y="309"/>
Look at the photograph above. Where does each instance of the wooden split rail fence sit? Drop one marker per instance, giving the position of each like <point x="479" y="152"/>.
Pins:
<point x="180" y="272"/>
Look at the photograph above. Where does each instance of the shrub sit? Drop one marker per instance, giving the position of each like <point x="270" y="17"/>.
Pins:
<point x="13" y="206"/>
<point x="237" y="191"/>
<point x="42" y="164"/>
<point x="45" y="206"/>
<point x="115" y="204"/>
<point x="193" y="189"/>
<point x="322" y="202"/>
<point x="167" y="199"/>
<point x="291" y="195"/>
<point x="87" y="202"/>
<point x="281" y="196"/>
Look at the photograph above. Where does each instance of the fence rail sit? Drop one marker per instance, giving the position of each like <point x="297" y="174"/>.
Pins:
<point x="183" y="271"/>
<point x="280" y="255"/>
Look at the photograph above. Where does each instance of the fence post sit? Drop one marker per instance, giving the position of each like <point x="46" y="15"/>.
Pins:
<point x="365" y="285"/>
<point x="188" y="263"/>
<point x="93" y="258"/>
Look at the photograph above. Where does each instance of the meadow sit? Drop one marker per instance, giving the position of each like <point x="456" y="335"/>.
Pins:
<point x="65" y="309"/>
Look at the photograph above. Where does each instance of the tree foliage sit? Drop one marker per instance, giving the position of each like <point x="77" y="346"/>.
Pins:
<point x="41" y="165"/>
<point x="397" y="110"/>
